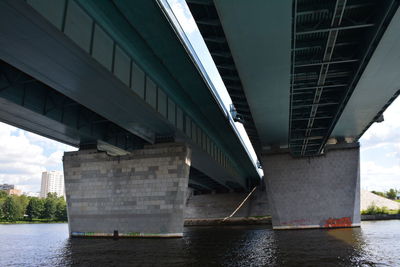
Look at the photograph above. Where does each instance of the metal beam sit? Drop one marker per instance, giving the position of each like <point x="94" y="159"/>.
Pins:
<point x="315" y="104"/>
<point x="57" y="109"/>
<point x="307" y="137"/>
<point x="200" y="2"/>
<point x="208" y="22"/>
<point x="326" y="62"/>
<point x="230" y="77"/>
<point x="327" y="57"/>
<point x="215" y="39"/>
<point x="315" y="118"/>
<point x="339" y="28"/>
<point x="226" y="66"/>
<point x="320" y="86"/>
<point x="223" y="54"/>
<point x="309" y="129"/>
<point x="392" y="7"/>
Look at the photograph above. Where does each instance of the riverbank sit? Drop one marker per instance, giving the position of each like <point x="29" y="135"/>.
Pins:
<point x="266" y="220"/>
<point x="31" y="222"/>
<point x="377" y="217"/>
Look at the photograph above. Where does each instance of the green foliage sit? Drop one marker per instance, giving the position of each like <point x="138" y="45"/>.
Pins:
<point x="50" y="208"/>
<point x="373" y="209"/>
<point x="12" y="209"/>
<point x="3" y="194"/>
<point x="1" y="210"/>
<point x="52" y="195"/>
<point x="391" y="194"/>
<point x="61" y="211"/>
<point x="34" y="208"/>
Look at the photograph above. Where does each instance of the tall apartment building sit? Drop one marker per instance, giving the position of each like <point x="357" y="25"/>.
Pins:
<point x="52" y="182"/>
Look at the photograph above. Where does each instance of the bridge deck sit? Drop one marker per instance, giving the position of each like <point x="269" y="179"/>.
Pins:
<point x="295" y="65"/>
<point x="124" y="62"/>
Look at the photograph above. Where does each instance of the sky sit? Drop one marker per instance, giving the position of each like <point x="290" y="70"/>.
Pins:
<point x="380" y="152"/>
<point x="24" y="155"/>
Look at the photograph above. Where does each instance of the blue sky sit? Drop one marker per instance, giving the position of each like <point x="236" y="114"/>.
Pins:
<point x="25" y="155"/>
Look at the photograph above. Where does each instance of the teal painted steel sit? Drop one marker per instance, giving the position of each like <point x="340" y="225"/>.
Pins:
<point x="378" y="84"/>
<point x="149" y="40"/>
<point x="33" y="106"/>
<point x="331" y="43"/>
<point x="262" y="60"/>
<point x="135" y="42"/>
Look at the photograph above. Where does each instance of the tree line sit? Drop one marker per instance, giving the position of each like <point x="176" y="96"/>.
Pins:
<point x="390" y="194"/>
<point x="22" y="208"/>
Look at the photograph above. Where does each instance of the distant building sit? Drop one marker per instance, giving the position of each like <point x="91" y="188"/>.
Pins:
<point x="15" y="192"/>
<point x="52" y="182"/>
<point x="6" y="186"/>
<point x="10" y="189"/>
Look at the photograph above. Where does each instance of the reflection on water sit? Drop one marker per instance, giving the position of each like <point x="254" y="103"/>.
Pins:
<point x="375" y="244"/>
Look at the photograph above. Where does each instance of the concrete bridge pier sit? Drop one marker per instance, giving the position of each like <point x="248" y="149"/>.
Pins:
<point x="139" y="194"/>
<point x="317" y="192"/>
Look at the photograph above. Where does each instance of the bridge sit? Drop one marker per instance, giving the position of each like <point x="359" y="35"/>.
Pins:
<point x="119" y="80"/>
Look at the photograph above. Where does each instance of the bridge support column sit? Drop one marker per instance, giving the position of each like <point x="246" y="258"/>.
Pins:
<point x="140" y="194"/>
<point x="319" y="192"/>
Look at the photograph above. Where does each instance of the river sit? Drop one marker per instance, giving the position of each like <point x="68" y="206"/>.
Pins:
<point x="376" y="243"/>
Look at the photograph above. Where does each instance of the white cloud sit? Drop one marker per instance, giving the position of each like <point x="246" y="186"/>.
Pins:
<point x="55" y="158"/>
<point x="24" y="156"/>
<point x="387" y="131"/>
<point x="380" y="152"/>
<point x="47" y="143"/>
<point x="376" y="177"/>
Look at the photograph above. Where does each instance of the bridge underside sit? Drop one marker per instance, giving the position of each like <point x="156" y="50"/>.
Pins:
<point x="83" y="86"/>
<point x="313" y="58"/>
<point x="309" y="77"/>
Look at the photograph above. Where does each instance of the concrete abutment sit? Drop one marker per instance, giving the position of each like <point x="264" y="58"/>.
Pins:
<point x="318" y="192"/>
<point x="140" y="194"/>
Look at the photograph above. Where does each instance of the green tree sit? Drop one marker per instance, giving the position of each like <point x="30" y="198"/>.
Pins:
<point x="12" y="209"/>
<point x="23" y="201"/>
<point x="61" y="211"/>
<point x="50" y="207"/>
<point x="34" y="208"/>
<point x="3" y="194"/>
<point x="1" y="210"/>
<point x="391" y="194"/>
<point x="51" y="195"/>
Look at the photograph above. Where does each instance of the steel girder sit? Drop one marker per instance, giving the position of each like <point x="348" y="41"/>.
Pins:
<point x="331" y="45"/>
<point x="82" y="125"/>
<point x="206" y="17"/>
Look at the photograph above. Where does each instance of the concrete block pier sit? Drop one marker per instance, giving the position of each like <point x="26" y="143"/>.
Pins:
<point x="140" y="194"/>
<point x="316" y="192"/>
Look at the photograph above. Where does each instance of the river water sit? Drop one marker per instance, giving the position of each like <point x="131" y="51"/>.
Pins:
<point x="374" y="244"/>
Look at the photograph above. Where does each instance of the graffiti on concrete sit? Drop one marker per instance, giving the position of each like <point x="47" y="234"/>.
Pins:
<point x="338" y="222"/>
